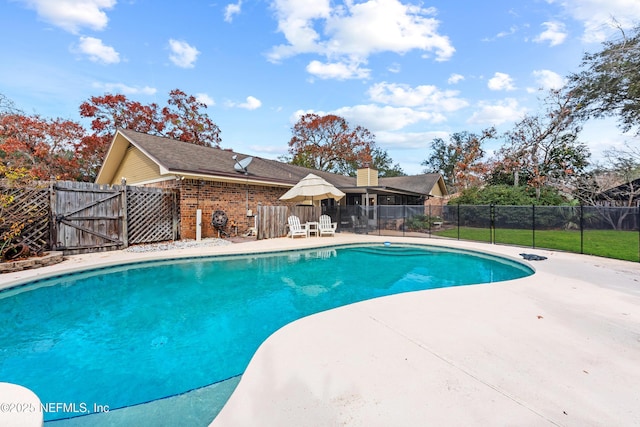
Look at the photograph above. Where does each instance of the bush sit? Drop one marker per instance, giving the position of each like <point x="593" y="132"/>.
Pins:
<point x="421" y="222"/>
<point x="507" y="195"/>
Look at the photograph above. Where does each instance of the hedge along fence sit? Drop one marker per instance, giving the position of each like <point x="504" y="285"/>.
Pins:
<point x="78" y="217"/>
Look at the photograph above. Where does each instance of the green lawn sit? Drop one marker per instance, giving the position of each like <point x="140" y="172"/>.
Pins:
<point x="606" y="243"/>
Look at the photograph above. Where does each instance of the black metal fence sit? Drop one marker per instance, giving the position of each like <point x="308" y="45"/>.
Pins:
<point x="611" y="232"/>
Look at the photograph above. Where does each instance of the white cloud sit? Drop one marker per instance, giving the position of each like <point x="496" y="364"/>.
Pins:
<point x="394" y="68"/>
<point x="378" y="118"/>
<point x="205" y="99"/>
<point x="547" y="79"/>
<point x="251" y="103"/>
<point x="182" y="54"/>
<point x="555" y="33"/>
<point x="232" y="9"/>
<point x="72" y="15"/>
<point x="124" y="89"/>
<point x="293" y="119"/>
<point x="512" y="30"/>
<point x="597" y="15"/>
<point x="337" y="70"/>
<point x="408" y="140"/>
<point x="354" y="31"/>
<point x="501" y="81"/>
<point x="423" y="96"/>
<point x="496" y="114"/>
<point x="97" y="51"/>
<point x="455" y="78"/>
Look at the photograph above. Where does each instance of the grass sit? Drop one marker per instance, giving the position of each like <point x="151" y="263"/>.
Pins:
<point x="606" y="243"/>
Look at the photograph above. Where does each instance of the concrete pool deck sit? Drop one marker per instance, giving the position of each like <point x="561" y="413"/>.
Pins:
<point x="561" y="347"/>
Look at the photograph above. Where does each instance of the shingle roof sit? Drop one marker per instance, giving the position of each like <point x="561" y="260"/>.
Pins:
<point x="178" y="156"/>
<point x="183" y="157"/>
<point x="422" y="184"/>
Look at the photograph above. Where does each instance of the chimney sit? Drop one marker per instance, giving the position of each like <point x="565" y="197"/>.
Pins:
<point x="367" y="177"/>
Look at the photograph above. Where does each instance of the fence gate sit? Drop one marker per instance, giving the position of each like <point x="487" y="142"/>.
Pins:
<point x="86" y="217"/>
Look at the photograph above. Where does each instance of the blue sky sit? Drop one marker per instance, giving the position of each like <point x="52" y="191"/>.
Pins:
<point x="408" y="71"/>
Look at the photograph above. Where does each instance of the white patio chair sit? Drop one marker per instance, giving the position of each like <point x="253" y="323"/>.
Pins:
<point x="326" y="227"/>
<point x="295" y="228"/>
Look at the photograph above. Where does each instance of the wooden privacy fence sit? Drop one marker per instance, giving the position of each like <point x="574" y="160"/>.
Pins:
<point x="272" y="220"/>
<point x="79" y="217"/>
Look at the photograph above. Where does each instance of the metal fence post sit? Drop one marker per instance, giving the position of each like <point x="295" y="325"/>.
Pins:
<point x="404" y="219"/>
<point x="581" y="229"/>
<point x="533" y="224"/>
<point x="458" y="221"/>
<point x="492" y="223"/>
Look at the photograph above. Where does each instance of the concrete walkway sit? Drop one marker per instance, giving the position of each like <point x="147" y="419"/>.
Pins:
<point x="561" y="347"/>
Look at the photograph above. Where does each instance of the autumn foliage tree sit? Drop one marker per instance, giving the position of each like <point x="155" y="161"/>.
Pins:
<point x="329" y="143"/>
<point x="44" y="147"/>
<point x="184" y="120"/>
<point x="460" y="160"/>
<point x="181" y="119"/>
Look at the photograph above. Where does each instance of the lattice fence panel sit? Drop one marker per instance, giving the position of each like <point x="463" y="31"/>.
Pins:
<point x="152" y="215"/>
<point x="30" y="206"/>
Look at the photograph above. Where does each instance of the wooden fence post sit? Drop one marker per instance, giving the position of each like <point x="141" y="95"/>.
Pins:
<point x="53" y="225"/>
<point x="175" y="212"/>
<point x="125" y="224"/>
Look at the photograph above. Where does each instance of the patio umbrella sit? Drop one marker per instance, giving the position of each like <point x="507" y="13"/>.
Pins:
<point x="312" y="187"/>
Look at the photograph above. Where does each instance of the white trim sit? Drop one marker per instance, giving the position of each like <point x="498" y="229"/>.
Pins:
<point x="240" y="180"/>
<point x="153" y="181"/>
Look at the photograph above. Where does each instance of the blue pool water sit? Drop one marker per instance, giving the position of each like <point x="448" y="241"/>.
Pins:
<point x="131" y="334"/>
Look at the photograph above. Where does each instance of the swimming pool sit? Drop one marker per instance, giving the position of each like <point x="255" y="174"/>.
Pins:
<point x="131" y="334"/>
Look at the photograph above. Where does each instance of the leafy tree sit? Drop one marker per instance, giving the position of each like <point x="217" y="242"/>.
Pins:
<point x="44" y="147"/>
<point x="459" y="161"/>
<point x="109" y="113"/>
<point x="182" y="119"/>
<point x="382" y="162"/>
<point x="185" y="121"/>
<point x="329" y="143"/>
<point x="609" y="83"/>
<point x="545" y="147"/>
<point x="508" y="195"/>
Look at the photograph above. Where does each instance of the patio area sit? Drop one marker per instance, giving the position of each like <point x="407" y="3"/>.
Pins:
<point x="557" y="348"/>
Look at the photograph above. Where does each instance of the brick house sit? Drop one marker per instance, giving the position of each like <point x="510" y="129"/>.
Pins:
<point x="213" y="179"/>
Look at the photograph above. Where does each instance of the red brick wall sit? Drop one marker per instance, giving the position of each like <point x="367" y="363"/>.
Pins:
<point x="228" y="197"/>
